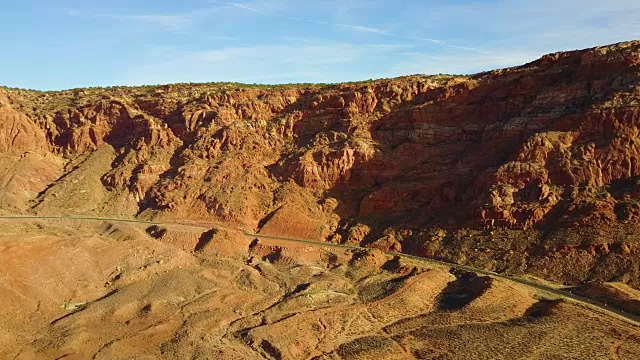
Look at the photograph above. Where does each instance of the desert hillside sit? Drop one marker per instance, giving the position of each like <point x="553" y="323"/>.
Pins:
<point x="533" y="169"/>
<point x="75" y="289"/>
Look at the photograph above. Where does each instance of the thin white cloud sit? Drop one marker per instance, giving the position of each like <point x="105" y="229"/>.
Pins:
<point x="361" y="28"/>
<point x="346" y="26"/>
<point x="167" y="22"/>
<point x="242" y="6"/>
<point x="290" y="62"/>
<point x="245" y="7"/>
<point x="435" y="41"/>
<point x="252" y="8"/>
<point x="447" y="44"/>
<point x="306" y="61"/>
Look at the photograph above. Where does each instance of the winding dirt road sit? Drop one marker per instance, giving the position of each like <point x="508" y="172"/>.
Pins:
<point x="553" y="290"/>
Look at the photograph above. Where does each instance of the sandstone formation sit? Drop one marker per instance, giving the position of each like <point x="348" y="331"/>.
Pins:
<point x="530" y="169"/>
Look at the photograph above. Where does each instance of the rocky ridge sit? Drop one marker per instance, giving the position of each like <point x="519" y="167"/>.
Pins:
<point x="530" y="169"/>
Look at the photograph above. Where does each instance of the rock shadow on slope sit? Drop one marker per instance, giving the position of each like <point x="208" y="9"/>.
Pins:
<point x="461" y="292"/>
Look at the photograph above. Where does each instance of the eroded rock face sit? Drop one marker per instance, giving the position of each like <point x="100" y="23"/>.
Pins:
<point x="548" y="153"/>
<point x="18" y="133"/>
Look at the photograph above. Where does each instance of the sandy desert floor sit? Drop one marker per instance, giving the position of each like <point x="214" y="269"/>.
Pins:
<point x="107" y="290"/>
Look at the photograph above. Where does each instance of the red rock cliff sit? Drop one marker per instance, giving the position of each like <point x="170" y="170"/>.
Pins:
<point x="530" y="168"/>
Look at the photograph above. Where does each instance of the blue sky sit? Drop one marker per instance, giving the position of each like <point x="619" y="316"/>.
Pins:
<point x="59" y="44"/>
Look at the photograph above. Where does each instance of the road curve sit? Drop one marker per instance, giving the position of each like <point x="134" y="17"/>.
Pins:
<point x="630" y="318"/>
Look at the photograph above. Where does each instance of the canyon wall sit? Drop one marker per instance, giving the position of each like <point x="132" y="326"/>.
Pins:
<point x="528" y="169"/>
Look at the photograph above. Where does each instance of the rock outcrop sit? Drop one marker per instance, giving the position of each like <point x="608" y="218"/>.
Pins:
<point x="529" y="169"/>
<point x="18" y="134"/>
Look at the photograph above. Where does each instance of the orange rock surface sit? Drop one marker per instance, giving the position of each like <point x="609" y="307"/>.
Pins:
<point x="529" y="169"/>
